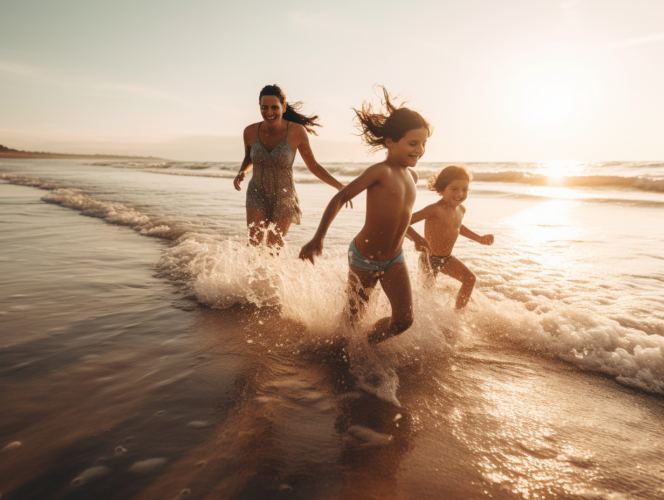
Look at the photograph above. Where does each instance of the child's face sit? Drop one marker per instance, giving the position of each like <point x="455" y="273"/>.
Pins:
<point x="410" y="148"/>
<point x="456" y="192"/>
<point x="271" y="109"/>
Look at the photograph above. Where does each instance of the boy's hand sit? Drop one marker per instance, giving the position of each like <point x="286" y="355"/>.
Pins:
<point x="311" y="249"/>
<point x="487" y="239"/>
<point x="422" y="245"/>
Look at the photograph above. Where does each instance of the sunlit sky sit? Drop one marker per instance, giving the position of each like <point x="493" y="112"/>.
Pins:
<point x="500" y="80"/>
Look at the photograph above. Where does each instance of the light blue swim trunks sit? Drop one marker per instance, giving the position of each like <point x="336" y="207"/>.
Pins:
<point x="358" y="261"/>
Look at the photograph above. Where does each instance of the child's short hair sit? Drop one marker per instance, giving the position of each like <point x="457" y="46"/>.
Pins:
<point x="441" y="179"/>
<point x="396" y="122"/>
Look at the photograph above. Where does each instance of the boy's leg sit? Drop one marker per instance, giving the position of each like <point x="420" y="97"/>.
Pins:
<point x="456" y="269"/>
<point x="396" y="285"/>
<point x="360" y="286"/>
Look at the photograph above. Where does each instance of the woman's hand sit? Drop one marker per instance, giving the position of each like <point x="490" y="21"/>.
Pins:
<point x="311" y="249"/>
<point x="238" y="178"/>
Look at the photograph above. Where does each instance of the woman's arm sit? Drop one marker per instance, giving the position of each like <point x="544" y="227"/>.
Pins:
<point x="247" y="164"/>
<point x="314" y="167"/>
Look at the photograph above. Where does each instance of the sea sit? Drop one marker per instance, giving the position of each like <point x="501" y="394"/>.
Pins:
<point x="148" y="352"/>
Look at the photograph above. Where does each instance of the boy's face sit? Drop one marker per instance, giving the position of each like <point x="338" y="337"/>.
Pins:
<point x="410" y="148"/>
<point x="456" y="192"/>
<point x="271" y="109"/>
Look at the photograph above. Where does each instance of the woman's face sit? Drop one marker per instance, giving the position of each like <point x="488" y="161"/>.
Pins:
<point x="271" y="109"/>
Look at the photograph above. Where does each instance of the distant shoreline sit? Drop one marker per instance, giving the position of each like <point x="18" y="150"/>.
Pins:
<point x="6" y="152"/>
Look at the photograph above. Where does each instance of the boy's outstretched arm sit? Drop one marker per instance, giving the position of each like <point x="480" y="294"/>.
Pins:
<point x="421" y="243"/>
<point x="364" y="181"/>
<point x="421" y="215"/>
<point x="487" y="239"/>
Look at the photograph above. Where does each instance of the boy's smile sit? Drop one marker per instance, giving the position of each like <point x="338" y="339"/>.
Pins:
<point x="410" y="148"/>
<point x="456" y="192"/>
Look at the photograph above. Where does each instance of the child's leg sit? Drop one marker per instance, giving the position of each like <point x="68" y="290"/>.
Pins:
<point x="360" y="286"/>
<point x="396" y="285"/>
<point x="456" y="269"/>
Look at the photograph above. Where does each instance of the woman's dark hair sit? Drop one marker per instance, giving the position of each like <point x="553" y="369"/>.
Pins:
<point x="292" y="113"/>
<point x="394" y="123"/>
<point x="441" y="179"/>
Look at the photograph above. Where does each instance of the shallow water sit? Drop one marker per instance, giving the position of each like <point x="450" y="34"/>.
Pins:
<point x="188" y="365"/>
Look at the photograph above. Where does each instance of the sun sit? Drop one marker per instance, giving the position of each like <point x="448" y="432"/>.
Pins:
<point x="547" y="94"/>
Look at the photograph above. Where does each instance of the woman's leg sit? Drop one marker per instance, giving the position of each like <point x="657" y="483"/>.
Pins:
<point x="396" y="285"/>
<point x="258" y="226"/>
<point x="275" y="235"/>
<point x="456" y="269"/>
<point x="256" y="223"/>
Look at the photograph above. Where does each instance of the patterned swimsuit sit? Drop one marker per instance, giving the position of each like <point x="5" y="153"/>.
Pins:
<point x="272" y="188"/>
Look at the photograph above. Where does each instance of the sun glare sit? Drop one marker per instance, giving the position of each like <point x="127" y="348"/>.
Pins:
<point x="560" y="168"/>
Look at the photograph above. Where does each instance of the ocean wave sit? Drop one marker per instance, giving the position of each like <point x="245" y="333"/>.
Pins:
<point x="642" y="183"/>
<point x="112" y="212"/>
<point x="221" y="272"/>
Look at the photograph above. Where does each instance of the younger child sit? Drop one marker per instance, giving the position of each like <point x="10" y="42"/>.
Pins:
<point x="375" y="254"/>
<point x="442" y="227"/>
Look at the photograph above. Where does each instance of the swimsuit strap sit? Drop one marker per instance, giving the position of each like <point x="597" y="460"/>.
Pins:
<point x="258" y="130"/>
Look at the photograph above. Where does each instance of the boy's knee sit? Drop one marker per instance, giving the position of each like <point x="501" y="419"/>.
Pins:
<point x="471" y="280"/>
<point x="403" y="323"/>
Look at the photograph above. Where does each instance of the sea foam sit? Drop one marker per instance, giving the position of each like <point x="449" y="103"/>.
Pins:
<point x="222" y="272"/>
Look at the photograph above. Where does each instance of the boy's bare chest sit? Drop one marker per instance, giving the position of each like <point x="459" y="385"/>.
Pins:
<point x="397" y="191"/>
<point x="450" y="218"/>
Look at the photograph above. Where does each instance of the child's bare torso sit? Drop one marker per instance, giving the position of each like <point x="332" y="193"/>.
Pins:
<point x="389" y="207"/>
<point x="441" y="228"/>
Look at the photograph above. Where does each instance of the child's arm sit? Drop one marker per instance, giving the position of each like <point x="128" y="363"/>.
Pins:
<point x="421" y="244"/>
<point x="423" y="214"/>
<point x="487" y="239"/>
<point x="369" y="177"/>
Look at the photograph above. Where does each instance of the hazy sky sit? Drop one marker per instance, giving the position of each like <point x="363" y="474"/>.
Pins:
<point x="500" y="80"/>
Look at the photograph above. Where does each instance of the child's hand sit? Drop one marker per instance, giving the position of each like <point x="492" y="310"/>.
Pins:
<point x="487" y="239"/>
<point x="422" y="245"/>
<point x="311" y="249"/>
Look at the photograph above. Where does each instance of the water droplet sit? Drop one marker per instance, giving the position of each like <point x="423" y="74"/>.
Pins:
<point x="11" y="446"/>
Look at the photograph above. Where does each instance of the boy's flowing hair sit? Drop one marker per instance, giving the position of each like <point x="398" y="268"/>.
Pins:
<point x="441" y="179"/>
<point x="292" y="113"/>
<point x="394" y="123"/>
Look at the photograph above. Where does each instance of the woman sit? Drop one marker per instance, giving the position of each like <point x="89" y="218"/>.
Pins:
<point x="270" y="146"/>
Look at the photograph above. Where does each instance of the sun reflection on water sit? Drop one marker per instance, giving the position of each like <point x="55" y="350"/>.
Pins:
<point x="546" y="222"/>
<point x="558" y="169"/>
